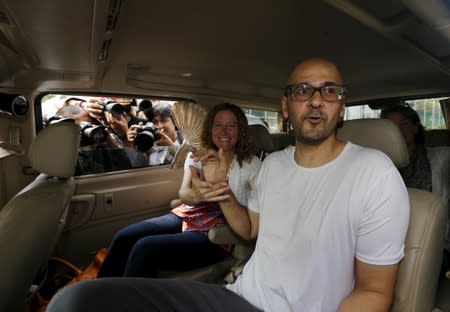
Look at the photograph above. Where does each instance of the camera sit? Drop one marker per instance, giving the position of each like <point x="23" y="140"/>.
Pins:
<point x="146" y="137"/>
<point x="146" y="107"/>
<point x="92" y="134"/>
<point x="112" y="107"/>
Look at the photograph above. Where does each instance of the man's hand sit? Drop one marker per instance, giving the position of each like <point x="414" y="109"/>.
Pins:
<point x="215" y="167"/>
<point x="118" y="123"/>
<point x="94" y="109"/>
<point x="205" y="191"/>
<point x="132" y="132"/>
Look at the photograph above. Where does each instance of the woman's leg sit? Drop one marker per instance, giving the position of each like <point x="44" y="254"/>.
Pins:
<point x="124" y="240"/>
<point x="180" y="251"/>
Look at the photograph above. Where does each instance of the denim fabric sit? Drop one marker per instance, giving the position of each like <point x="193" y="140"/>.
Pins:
<point x="143" y="248"/>
<point x="144" y="294"/>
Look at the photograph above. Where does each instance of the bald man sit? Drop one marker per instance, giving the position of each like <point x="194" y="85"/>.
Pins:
<point x="330" y="229"/>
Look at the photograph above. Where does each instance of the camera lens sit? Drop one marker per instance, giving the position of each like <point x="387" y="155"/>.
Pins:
<point x="144" y="141"/>
<point x="93" y="134"/>
<point x="146" y="137"/>
<point x="115" y="109"/>
<point x="144" y="105"/>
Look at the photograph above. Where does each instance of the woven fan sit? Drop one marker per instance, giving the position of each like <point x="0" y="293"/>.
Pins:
<point x="189" y="118"/>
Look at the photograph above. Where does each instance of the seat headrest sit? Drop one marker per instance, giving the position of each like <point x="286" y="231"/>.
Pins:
<point x="54" y="150"/>
<point x="380" y="134"/>
<point x="261" y="138"/>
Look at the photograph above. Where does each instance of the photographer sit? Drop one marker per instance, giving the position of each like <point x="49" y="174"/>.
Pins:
<point x="117" y="113"/>
<point x="166" y="137"/>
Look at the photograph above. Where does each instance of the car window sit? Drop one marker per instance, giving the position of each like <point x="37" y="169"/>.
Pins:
<point x="105" y="143"/>
<point x="269" y="119"/>
<point x="429" y="110"/>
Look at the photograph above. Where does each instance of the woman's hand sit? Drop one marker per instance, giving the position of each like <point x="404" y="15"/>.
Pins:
<point x="164" y="139"/>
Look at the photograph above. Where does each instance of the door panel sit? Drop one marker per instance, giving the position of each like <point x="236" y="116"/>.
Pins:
<point x="106" y="202"/>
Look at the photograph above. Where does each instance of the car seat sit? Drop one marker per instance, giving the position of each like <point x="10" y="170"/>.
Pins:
<point x="32" y="221"/>
<point x="418" y="274"/>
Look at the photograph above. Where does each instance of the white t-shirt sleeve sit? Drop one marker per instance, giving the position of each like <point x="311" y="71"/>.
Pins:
<point x="384" y="222"/>
<point x="258" y="184"/>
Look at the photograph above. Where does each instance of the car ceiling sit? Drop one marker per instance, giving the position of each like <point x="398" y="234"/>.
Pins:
<point x="242" y="49"/>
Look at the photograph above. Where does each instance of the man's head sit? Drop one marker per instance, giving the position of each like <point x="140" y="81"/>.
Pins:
<point x="314" y="100"/>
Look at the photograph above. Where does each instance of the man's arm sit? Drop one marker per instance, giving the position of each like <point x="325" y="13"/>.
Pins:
<point x="374" y="288"/>
<point x="242" y="220"/>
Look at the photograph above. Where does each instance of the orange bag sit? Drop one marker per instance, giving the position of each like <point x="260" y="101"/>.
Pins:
<point x="41" y="301"/>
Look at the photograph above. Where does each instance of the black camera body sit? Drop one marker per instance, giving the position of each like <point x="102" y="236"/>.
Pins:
<point x="146" y="136"/>
<point x="92" y="134"/>
<point x="112" y="107"/>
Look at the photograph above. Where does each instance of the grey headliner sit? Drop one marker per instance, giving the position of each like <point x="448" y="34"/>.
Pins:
<point x="242" y="49"/>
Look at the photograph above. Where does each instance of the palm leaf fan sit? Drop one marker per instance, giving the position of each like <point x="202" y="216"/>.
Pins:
<point x="189" y="118"/>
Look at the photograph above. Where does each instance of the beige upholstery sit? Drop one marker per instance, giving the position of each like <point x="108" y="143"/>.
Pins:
<point x="30" y="223"/>
<point x="380" y="134"/>
<point x="418" y="275"/>
<point x="242" y="250"/>
<point x="55" y="152"/>
<point x="419" y="270"/>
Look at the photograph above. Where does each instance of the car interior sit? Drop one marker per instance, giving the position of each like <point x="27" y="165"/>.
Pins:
<point x="64" y="194"/>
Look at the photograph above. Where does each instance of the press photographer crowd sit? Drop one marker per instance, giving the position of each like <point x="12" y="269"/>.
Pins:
<point x="119" y="133"/>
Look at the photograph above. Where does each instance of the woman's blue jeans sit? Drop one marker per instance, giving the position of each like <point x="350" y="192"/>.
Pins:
<point x="143" y="248"/>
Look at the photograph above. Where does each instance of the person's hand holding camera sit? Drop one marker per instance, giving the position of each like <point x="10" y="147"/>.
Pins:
<point x="164" y="140"/>
<point x="94" y="108"/>
<point x="133" y="132"/>
<point x="118" y="123"/>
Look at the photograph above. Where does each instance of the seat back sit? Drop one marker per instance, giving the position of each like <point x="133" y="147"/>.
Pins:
<point x="437" y="137"/>
<point x="31" y="222"/>
<point x="418" y="274"/>
<point x="282" y="139"/>
<point x="260" y="136"/>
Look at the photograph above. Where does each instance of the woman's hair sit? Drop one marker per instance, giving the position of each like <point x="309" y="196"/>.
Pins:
<point x="244" y="148"/>
<point x="409" y="114"/>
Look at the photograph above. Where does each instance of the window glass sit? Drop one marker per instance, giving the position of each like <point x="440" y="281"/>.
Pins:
<point x="429" y="111"/>
<point x="117" y="133"/>
<point x="267" y="118"/>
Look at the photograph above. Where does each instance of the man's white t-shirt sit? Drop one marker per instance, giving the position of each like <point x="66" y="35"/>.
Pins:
<point x="313" y="222"/>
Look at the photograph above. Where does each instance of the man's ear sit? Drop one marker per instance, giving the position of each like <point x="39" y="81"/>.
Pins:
<point x="342" y="110"/>
<point x="284" y="108"/>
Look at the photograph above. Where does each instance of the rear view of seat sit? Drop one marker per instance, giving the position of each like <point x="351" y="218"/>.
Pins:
<point x="31" y="222"/>
<point x="437" y="137"/>
<point x="260" y="136"/>
<point x="282" y="139"/>
<point x="419" y="270"/>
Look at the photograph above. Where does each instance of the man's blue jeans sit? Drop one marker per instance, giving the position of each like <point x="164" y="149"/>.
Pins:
<point x="143" y="248"/>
